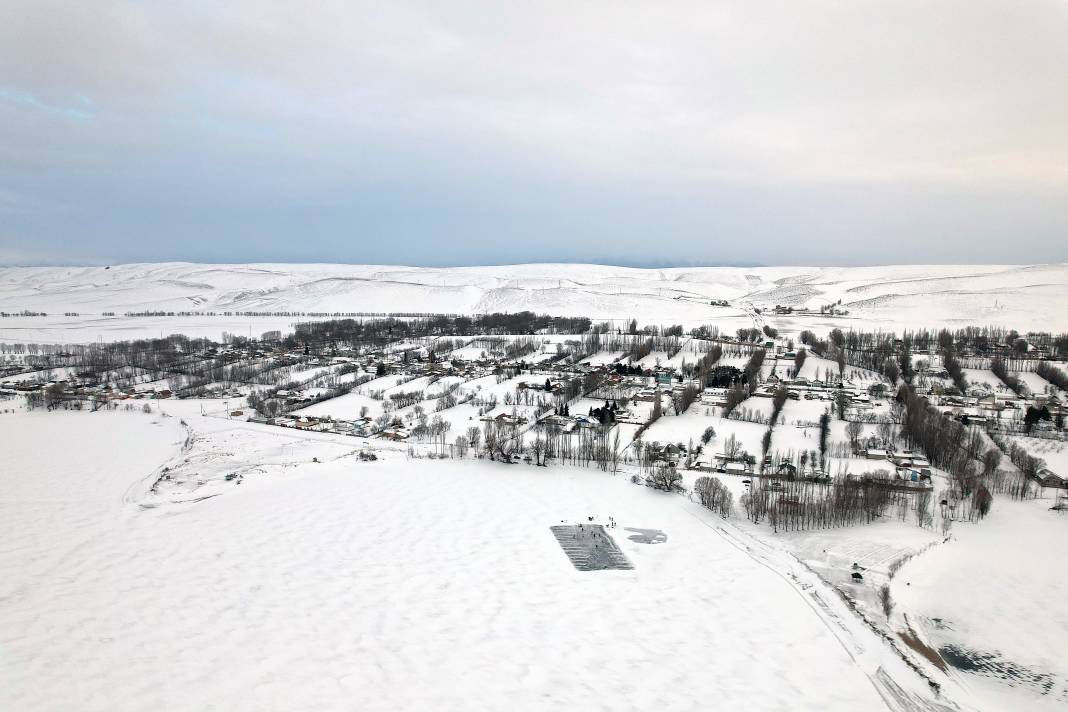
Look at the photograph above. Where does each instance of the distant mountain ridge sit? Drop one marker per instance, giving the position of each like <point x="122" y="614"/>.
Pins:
<point x="1022" y="297"/>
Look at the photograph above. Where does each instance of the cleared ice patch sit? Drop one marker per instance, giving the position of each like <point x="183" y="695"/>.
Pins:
<point x="1009" y="672"/>
<point x="590" y="547"/>
<point x="647" y="536"/>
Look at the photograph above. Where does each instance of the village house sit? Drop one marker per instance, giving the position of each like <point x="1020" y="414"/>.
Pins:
<point x="563" y="423"/>
<point x="1048" y="478"/>
<point x="786" y="469"/>
<point x="394" y="434"/>
<point x="505" y="419"/>
<point x="734" y="468"/>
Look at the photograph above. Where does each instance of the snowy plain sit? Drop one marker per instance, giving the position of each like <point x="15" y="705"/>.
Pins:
<point x="389" y="585"/>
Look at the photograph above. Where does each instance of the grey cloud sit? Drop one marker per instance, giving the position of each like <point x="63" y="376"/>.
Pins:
<point x="250" y="130"/>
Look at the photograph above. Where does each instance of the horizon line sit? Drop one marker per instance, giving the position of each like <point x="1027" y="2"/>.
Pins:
<point x="576" y="263"/>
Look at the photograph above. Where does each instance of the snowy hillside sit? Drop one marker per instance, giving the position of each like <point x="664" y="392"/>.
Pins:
<point x="1021" y="297"/>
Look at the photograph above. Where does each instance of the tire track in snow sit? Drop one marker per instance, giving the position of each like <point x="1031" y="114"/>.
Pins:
<point x="813" y="593"/>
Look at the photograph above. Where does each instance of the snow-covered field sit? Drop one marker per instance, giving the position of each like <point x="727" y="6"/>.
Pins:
<point x="1053" y="452"/>
<point x="985" y="377"/>
<point x="992" y="596"/>
<point x="888" y="298"/>
<point x="385" y="585"/>
<point x="1034" y="382"/>
<point x="271" y="569"/>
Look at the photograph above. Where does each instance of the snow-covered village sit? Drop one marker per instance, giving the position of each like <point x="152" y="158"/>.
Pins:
<point x="803" y="498"/>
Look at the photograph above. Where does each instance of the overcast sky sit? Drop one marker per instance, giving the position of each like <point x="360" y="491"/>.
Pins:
<point x="452" y="132"/>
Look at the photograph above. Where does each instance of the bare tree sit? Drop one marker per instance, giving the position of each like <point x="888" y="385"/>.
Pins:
<point x="614" y="452"/>
<point x="732" y="447"/>
<point x="841" y="402"/>
<point x="854" y="430"/>
<point x="714" y="495"/>
<point x="735" y="395"/>
<point x="664" y="477"/>
<point x="923" y="508"/>
<point x="974" y="444"/>
<point x="765" y="445"/>
<point x="991" y="460"/>
<point x="537" y="450"/>
<point x="886" y="434"/>
<point x="825" y="430"/>
<point x="981" y="501"/>
<point x="885" y="601"/>
<point x="490" y="438"/>
<point x="799" y="361"/>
